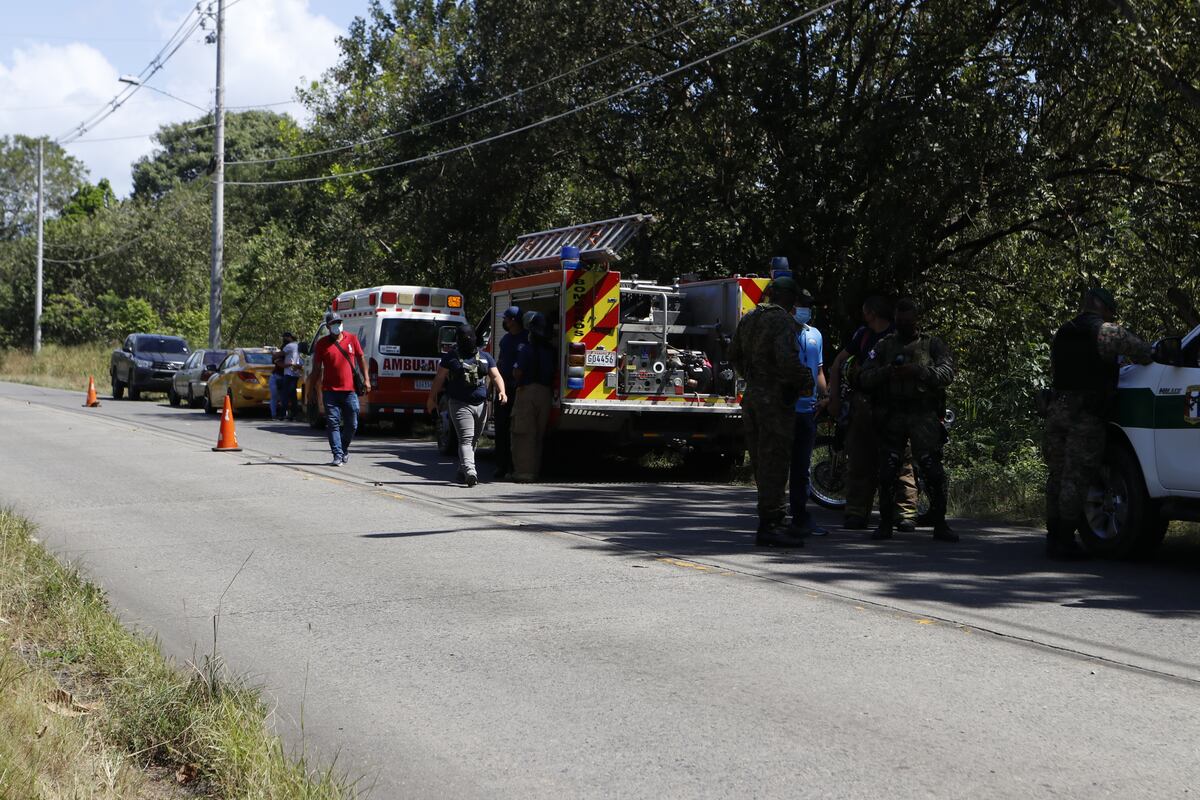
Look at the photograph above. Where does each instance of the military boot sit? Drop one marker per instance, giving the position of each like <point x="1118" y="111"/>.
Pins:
<point x="937" y="515"/>
<point x="1060" y="541"/>
<point x="887" y="513"/>
<point x="777" y="534"/>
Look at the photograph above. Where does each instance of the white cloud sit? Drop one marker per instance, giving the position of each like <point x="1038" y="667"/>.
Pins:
<point x="272" y="46"/>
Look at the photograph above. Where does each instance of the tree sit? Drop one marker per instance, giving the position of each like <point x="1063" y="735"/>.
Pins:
<point x="62" y="174"/>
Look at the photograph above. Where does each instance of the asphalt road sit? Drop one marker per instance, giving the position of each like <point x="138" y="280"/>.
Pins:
<point x="611" y="639"/>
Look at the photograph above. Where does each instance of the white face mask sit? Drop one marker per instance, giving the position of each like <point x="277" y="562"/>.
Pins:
<point x="803" y="314"/>
<point x="335" y="328"/>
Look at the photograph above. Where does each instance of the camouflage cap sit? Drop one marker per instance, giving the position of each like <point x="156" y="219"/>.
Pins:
<point x="1104" y="296"/>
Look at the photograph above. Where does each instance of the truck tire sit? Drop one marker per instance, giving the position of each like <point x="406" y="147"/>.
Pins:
<point x="134" y="392"/>
<point x="191" y="398"/>
<point x="118" y="388"/>
<point x="1119" y="519"/>
<point x="173" y="396"/>
<point x="209" y="408"/>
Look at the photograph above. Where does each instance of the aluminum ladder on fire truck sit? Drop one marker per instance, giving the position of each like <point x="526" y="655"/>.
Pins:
<point x="598" y="242"/>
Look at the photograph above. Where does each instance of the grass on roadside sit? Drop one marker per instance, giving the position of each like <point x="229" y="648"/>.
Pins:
<point x="111" y="703"/>
<point x="58" y="366"/>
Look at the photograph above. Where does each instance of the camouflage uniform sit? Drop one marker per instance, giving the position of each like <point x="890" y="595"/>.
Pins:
<point x="764" y="352"/>
<point x="1077" y="420"/>
<point x="908" y="411"/>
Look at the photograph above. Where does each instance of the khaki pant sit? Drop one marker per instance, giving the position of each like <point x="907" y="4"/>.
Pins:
<point x="770" y="425"/>
<point x="862" y="467"/>
<point x="530" y="414"/>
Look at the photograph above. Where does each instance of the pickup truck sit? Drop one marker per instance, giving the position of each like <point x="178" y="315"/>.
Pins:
<point x="1151" y="472"/>
<point x="146" y="362"/>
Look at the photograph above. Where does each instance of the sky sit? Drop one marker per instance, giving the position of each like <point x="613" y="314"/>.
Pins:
<point x="60" y="61"/>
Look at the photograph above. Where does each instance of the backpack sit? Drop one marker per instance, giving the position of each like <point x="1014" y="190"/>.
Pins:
<point x="469" y="377"/>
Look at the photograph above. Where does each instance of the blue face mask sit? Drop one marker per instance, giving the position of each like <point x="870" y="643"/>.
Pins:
<point x="803" y="315"/>
<point x="335" y="328"/>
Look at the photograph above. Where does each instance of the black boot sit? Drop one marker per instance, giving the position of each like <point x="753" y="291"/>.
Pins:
<point x="887" y="513"/>
<point x="942" y="532"/>
<point x="1060" y="541"/>
<point x="777" y="534"/>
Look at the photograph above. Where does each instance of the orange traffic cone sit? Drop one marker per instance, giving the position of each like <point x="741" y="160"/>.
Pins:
<point x="227" y="440"/>
<point x="91" y="401"/>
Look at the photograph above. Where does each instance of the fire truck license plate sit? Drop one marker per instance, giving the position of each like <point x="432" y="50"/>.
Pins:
<point x="423" y="385"/>
<point x="601" y="358"/>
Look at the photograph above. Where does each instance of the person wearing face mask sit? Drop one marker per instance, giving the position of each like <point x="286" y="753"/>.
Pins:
<point x="812" y="346"/>
<point x="336" y="359"/>
<point x="464" y="374"/>
<point x="907" y="375"/>
<point x="765" y="355"/>
<point x="1084" y="361"/>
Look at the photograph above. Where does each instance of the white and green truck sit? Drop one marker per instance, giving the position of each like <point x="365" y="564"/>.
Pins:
<point x="1151" y="471"/>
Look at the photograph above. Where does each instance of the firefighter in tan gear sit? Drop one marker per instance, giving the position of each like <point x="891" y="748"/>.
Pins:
<point x="534" y="374"/>
<point x="765" y="354"/>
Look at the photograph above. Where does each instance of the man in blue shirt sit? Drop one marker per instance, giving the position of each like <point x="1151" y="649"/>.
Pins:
<point x="515" y="335"/>
<point x="534" y="374"/>
<point x="812" y="346"/>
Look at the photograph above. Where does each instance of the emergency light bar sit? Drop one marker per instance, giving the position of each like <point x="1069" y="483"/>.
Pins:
<point x="598" y="242"/>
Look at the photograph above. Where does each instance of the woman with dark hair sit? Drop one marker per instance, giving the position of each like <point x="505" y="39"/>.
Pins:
<point x="464" y="374"/>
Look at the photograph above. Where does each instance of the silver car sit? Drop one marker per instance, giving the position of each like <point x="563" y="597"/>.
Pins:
<point x="188" y="383"/>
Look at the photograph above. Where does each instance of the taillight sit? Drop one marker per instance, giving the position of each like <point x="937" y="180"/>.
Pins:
<point x="576" y="354"/>
<point x="248" y="377"/>
<point x="373" y="370"/>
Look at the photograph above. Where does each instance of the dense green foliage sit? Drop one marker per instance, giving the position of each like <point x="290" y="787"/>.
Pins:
<point x="990" y="157"/>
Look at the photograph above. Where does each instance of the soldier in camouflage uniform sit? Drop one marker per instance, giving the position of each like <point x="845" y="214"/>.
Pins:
<point x="907" y="375"/>
<point x="1083" y="358"/>
<point x="765" y="354"/>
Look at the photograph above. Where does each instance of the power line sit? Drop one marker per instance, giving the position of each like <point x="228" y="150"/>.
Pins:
<point x="554" y="117"/>
<point x="517" y="93"/>
<point x="141" y="135"/>
<point x="186" y="28"/>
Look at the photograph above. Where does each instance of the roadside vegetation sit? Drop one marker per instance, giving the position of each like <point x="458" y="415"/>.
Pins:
<point x="57" y="366"/>
<point x="89" y="709"/>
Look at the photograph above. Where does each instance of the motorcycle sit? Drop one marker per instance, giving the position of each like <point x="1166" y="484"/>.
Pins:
<point x="827" y="479"/>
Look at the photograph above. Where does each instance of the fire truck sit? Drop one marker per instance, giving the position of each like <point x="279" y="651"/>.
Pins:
<point x="641" y="365"/>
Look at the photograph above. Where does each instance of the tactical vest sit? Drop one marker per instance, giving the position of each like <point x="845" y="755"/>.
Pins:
<point x="910" y="392"/>
<point x="1075" y="357"/>
<point x="469" y="376"/>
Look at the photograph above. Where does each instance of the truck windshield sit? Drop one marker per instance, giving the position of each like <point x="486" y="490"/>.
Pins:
<point x="161" y="344"/>
<point x="413" y="337"/>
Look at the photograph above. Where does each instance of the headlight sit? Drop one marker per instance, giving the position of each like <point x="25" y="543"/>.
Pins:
<point x="142" y="363"/>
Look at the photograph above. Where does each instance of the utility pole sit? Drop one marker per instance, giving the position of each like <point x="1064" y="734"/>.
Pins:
<point x="41" y="206"/>
<point x="218" y="206"/>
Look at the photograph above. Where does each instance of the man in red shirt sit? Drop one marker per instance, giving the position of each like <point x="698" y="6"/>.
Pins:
<point x="335" y="360"/>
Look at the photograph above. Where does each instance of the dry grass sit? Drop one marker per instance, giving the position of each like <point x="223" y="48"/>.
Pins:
<point x="139" y="709"/>
<point x="57" y="366"/>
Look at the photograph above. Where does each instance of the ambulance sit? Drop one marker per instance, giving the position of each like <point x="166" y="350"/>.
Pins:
<point x="404" y="331"/>
<point x="641" y="365"/>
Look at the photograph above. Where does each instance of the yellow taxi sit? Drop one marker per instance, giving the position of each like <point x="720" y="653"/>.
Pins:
<point x="245" y="375"/>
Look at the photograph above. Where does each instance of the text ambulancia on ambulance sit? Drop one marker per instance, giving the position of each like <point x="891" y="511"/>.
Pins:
<point x="404" y="331"/>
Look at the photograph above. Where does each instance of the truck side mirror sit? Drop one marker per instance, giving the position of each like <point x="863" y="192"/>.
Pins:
<point x="1169" y="351"/>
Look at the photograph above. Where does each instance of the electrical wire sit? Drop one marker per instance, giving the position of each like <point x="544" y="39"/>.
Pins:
<point x="186" y="28"/>
<point x="554" y="117"/>
<point x="142" y="135"/>
<point x="517" y="93"/>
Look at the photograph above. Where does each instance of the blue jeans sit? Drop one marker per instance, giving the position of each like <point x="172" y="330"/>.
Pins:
<point x="273" y="386"/>
<point x="341" y="420"/>
<point x="802" y="449"/>
<point x="285" y="386"/>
